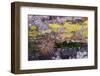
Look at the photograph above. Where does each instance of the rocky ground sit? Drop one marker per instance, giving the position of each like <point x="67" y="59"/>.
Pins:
<point x="61" y="53"/>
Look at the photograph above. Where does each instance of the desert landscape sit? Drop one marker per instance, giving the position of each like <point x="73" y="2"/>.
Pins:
<point x="57" y="37"/>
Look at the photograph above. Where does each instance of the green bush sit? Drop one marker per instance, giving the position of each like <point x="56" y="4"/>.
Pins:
<point x="70" y="45"/>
